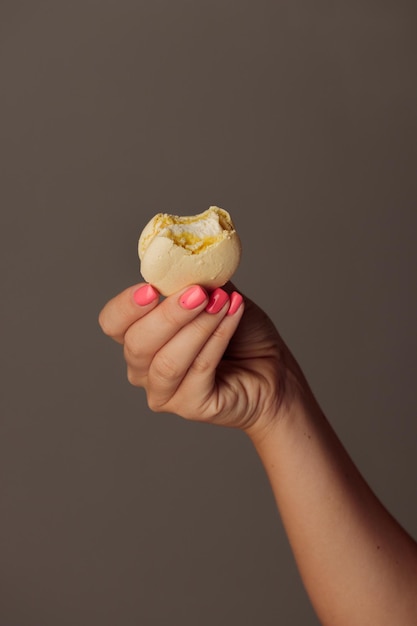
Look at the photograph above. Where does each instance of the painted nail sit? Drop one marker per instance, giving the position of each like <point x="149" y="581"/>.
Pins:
<point x="145" y="295"/>
<point x="193" y="297"/>
<point x="235" y="301"/>
<point x="217" y="301"/>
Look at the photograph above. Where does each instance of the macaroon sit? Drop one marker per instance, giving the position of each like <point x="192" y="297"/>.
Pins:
<point x="176" y="251"/>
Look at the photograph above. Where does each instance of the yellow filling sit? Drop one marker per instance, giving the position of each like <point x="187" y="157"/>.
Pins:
<point x="175" y="228"/>
<point x="193" y="242"/>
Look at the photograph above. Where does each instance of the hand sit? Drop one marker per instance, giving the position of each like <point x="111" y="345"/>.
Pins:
<point x="206" y="357"/>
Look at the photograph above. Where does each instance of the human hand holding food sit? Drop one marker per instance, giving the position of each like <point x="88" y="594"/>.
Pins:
<point x="201" y="353"/>
<point x="205" y="356"/>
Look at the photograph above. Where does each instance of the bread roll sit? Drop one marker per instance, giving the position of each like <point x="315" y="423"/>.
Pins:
<point x="202" y="249"/>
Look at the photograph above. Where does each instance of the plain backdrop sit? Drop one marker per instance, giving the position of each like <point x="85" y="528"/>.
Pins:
<point x="299" y="118"/>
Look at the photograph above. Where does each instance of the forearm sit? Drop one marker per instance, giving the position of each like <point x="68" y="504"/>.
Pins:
<point x="358" y="565"/>
<point x="229" y="366"/>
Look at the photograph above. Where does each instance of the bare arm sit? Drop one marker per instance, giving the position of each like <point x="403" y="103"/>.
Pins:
<point x="358" y="565"/>
<point x="214" y="358"/>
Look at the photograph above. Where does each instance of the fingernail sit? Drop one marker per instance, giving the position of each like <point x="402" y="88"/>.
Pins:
<point x="235" y="301"/>
<point x="145" y="295"/>
<point x="217" y="301"/>
<point x="193" y="297"/>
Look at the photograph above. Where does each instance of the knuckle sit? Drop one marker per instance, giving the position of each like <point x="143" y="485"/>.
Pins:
<point x="165" y="367"/>
<point x="153" y="404"/>
<point x="202" y="365"/>
<point x="128" y="350"/>
<point x="200" y="326"/>
<point x="170" y="316"/>
<point x="221" y="332"/>
<point x="132" y="347"/>
<point x="104" y="324"/>
<point x="129" y="354"/>
<point x="133" y="377"/>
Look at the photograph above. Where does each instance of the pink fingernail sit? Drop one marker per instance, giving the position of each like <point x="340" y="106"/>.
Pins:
<point x="193" y="297"/>
<point x="217" y="301"/>
<point x="235" y="301"/>
<point x="145" y="295"/>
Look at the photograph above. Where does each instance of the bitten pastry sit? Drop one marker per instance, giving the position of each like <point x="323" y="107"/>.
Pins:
<point x="202" y="249"/>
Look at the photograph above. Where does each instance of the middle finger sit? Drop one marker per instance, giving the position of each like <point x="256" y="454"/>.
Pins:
<point x="172" y="362"/>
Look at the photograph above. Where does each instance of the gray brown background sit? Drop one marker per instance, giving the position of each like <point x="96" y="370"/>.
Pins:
<point x="299" y="118"/>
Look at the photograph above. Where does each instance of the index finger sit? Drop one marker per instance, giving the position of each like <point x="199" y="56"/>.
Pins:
<point x="126" y="308"/>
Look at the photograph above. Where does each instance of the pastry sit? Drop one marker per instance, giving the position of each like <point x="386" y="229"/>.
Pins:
<point x="202" y="249"/>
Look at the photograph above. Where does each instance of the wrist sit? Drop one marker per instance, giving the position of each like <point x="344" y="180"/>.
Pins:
<point x="295" y="401"/>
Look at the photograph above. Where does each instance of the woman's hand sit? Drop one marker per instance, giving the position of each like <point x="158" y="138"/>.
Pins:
<point x="216" y="358"/>
<point x="206" y="357"/>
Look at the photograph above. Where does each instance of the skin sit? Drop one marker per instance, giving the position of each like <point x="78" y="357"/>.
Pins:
<point x="358" y="564"/>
